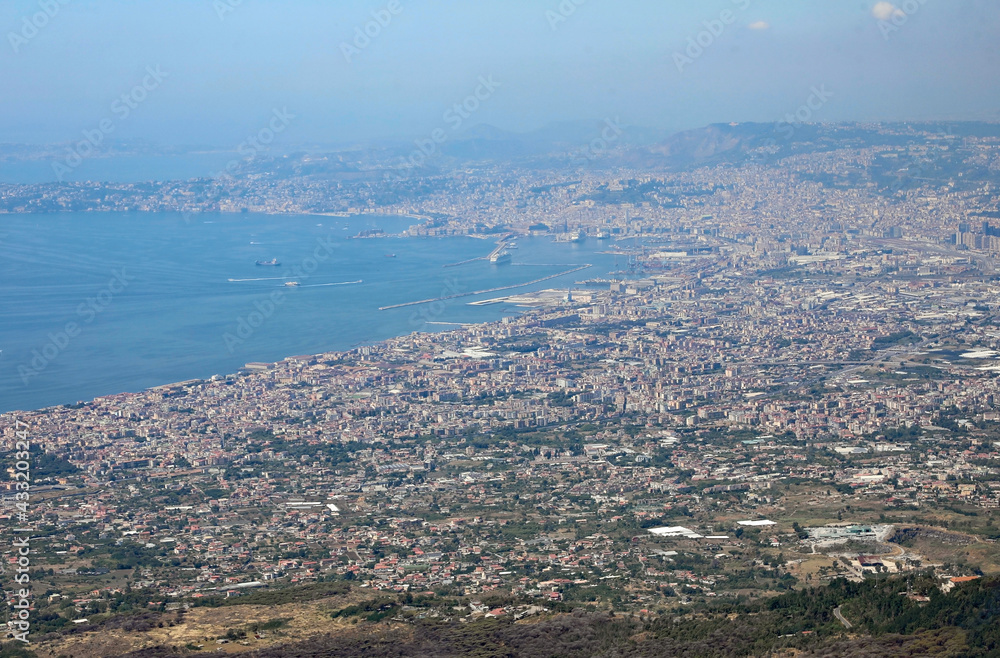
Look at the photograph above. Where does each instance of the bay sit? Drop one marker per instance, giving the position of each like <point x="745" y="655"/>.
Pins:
<point x="93" y="304"/>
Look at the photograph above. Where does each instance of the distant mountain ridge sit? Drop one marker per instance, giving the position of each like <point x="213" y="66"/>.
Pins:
<point x="722" y="143"/>
<point x="717" y="143"/>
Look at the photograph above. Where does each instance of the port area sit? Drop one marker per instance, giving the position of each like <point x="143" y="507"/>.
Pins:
<point x="501" y="246"/>
<point x="487" y="291"/>
<point x="549" y="297"/>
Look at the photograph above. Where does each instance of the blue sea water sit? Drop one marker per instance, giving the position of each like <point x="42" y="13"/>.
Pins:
<point x="99" y="303"/>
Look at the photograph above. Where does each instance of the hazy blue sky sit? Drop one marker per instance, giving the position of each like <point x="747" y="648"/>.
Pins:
<point x="607" y="58"/>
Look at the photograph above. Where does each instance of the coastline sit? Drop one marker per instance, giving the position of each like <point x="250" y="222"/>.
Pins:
<point x="136" y="369"/>
<point x="352" y="214"/>
<point x="246" y="370"/>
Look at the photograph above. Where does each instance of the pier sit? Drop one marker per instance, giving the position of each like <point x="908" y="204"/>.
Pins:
<point x="484" y="292"/>
<point x="501" y="245"/>
<point x="464" y="262"/>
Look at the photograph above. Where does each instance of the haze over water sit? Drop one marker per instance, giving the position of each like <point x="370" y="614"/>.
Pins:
<point x="176" y="302"/>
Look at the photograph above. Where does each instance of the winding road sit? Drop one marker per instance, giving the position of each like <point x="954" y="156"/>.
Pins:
<point x="836" y="613"/>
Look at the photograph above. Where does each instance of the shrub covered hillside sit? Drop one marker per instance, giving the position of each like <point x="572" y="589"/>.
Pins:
<point x="888" y="617"/>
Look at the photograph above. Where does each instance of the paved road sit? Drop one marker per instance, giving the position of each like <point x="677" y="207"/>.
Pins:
<point x="897" y="350"/>
<point x="840" y="618"/>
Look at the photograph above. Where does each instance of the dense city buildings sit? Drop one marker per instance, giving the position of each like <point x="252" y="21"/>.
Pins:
<point x="792" y="380"/>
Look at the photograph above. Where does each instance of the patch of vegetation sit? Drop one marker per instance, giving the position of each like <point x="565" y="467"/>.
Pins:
<point x="886" y="623"/>
<point x="374" y="610"/>
<point x="898" y="338"/>
<point x="277" y="597"/>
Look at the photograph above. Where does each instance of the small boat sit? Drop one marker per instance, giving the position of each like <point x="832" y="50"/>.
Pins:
<point x="292" y="284"/>
<point x="390" y="255"/>
<point x="270" y="263"/>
